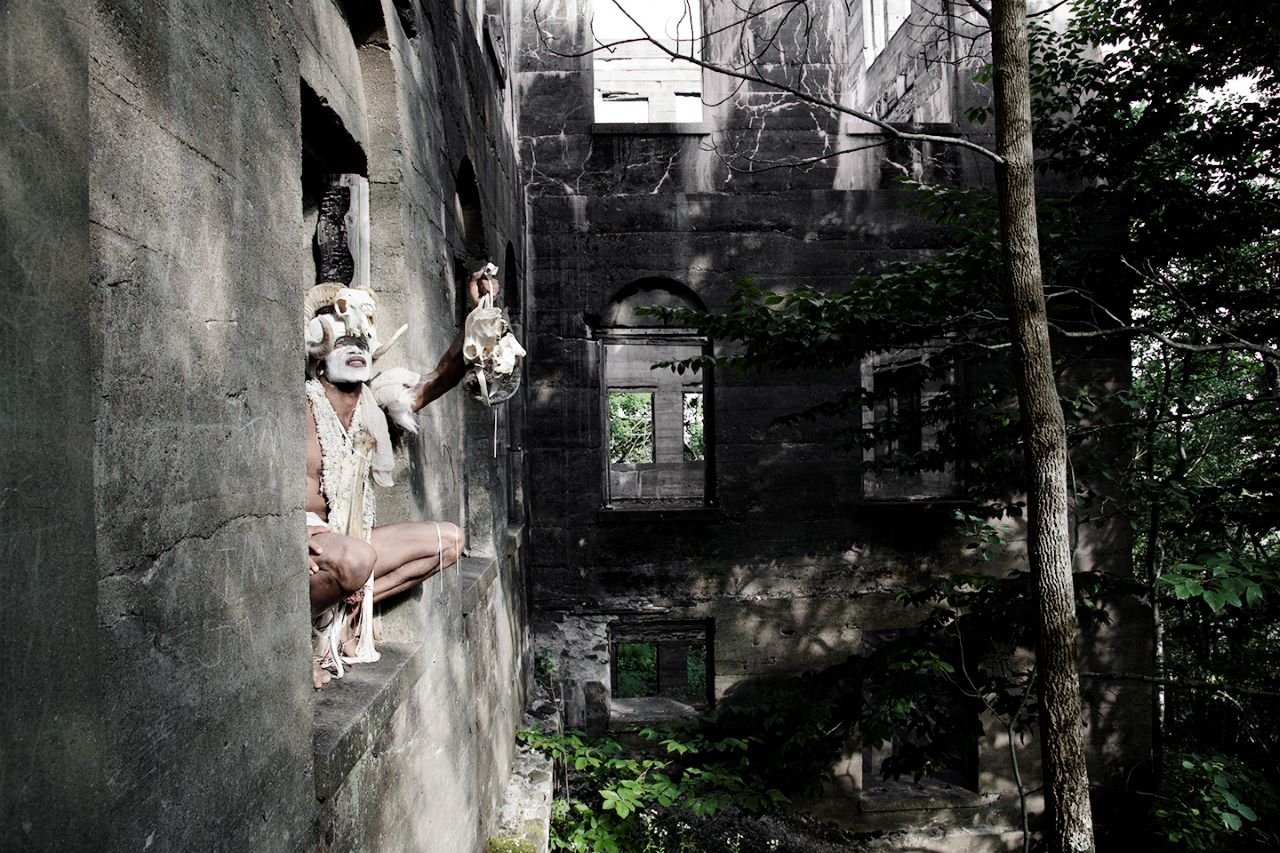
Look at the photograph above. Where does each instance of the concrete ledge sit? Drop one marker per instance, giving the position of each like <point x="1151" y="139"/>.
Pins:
<point x="352" y="711"/>
<point x="701" y="128"/>
<point x="903" y="798"/>
<point x="658" y="514"/>
<point x="477" y="575"/>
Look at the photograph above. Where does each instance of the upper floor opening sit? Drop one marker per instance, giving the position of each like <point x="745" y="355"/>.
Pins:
<point x="634" y="80"/>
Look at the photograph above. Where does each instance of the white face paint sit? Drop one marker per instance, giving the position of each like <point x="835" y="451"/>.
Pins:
<point x="348" y="364"/>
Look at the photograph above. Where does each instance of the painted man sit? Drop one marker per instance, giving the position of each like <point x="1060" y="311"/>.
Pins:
<point x="353" y="562"/>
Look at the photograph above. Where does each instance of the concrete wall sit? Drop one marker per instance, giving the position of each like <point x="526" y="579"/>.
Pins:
<point x="797" y="562"/>
<point x="155" y="530"/>
<point x="51" y="733"/>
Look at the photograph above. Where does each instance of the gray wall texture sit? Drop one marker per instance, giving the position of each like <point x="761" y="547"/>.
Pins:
<point x="152" y="446"/>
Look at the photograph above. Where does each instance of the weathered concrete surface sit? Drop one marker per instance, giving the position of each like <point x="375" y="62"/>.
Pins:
<point x="153" y="448"/>
<point x="51" y="733"/>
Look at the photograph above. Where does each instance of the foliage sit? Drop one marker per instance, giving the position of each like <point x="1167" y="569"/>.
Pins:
<point x="616" y="795"/>
<point x="1211" y="806"/>
<point x="695" y="441"/>
<point x="1158" y="129"/>
<point x="920" y="691"/>
<point x="637" y="665"/>
<point x="631" y="426"/>
<point x="544" y="668"/>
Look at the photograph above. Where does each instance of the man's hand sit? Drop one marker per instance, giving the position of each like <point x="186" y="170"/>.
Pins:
<point x="314" y="550"/>
<point x="480" y="285"/>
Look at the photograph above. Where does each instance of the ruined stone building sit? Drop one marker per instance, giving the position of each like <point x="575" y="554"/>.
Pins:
<point x="178" y="157"/>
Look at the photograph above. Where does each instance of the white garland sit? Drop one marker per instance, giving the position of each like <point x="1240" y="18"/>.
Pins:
<point x="338" y="461"/>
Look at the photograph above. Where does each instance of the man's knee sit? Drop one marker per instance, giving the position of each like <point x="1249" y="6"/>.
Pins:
<point x="353" y="564"/>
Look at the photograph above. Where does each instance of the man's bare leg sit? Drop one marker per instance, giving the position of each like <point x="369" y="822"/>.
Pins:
<point x="409" y="553"/>
<point x="341" y="567"/>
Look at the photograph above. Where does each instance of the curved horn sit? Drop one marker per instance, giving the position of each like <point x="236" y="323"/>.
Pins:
<point x="382" y="350"/>
<point x="321" y="336"/>
<point x="319" y="296"/>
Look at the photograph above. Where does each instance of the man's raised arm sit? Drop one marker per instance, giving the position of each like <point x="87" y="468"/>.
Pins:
<point x="451" y="369"/>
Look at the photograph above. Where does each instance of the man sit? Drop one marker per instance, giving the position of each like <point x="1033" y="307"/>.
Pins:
<point x="353" y="563"/>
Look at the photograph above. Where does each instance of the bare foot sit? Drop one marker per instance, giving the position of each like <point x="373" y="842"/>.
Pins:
<point x="319" y="677"/>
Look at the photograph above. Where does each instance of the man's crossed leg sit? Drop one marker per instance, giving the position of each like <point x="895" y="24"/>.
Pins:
<point x="401" y="556"/>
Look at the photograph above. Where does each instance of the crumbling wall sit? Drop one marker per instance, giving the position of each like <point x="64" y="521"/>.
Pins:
<point x="795" y="563"/>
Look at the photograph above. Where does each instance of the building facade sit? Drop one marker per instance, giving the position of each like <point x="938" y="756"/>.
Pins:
<point x="181" y="158"/>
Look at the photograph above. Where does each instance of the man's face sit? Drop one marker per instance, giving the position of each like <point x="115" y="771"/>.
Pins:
<point x="349" y="362"/>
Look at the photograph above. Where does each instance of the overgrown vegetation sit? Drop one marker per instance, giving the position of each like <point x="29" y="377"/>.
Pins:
<point x="920" y="692"/>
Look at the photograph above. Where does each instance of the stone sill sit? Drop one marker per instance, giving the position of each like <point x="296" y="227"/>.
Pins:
<point x="477" y="574"/>
<point x="354" y="710"/>
<point x="619" y="514"/>
<point x="899" y="799"/>
<point x="701" y="128"/>
<point x="650" y="709"/>
<point x="917" y="500"/>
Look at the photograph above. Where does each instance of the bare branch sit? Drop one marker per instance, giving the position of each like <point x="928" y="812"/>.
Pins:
<point x="980" y="9"/>
<point x="884" y="126"/>
<point x="1123" y="328"/>
<point x="1177" y="682"/>
<point x="1050" y="10"/>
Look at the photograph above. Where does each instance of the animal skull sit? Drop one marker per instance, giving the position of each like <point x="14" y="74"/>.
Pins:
<point x="355" y="307"/>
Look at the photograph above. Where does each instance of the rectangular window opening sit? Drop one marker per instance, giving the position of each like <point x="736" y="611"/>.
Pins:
<point x="660" y="669"/>
<point x="954" y="717"/>
<point x="637" y="667"/>
<point x="631" y="427"/>
<point x="658" y="450"/>
<point x="899" y="410"/>
<point x="663" y="90"/>
<point x="615" y="108"/>
<point x="695" y="439"/>
<point x="688" y="107"/>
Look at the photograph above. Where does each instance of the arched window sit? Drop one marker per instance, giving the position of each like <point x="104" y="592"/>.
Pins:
<point x="658" y="448"/>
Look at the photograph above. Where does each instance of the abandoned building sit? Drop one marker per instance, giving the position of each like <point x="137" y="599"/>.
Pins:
<point x="181" y="158"/>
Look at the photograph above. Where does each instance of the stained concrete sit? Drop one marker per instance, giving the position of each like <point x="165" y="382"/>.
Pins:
<point x="153" y="462"/>
<point x="51" y="733"/>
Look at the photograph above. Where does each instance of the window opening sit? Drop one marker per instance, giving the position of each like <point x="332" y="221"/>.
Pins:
<point x="679" y="471"/>
<point x="334" y="195"/>
<point x="899" y="409"/>
<point x="953" y="721"/>
<point x="631" y="427"/>
<point x="636" y="82"/>
<point x="651" y="457"/>
<point x="695" y="440"/>
<point x="468" y="212"/>
<point x="664" y="664"/>
<point x="880" y="20"/>
<point x="637" y="667"/>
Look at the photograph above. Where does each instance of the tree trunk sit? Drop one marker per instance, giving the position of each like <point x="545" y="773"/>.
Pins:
<point x="1066" y="781"/>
